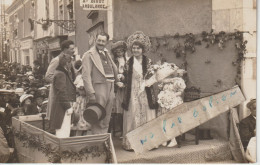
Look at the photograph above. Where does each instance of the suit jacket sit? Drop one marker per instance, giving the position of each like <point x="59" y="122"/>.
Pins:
<point x="93" y="71"/>
<point x="246" y="129"/>
<point x="49" y="78"/>
<point x="64" y="92"/>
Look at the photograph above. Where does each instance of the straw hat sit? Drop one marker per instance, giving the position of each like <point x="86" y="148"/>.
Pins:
<point x="24" y="97"/>
<point x="43" y="88"/>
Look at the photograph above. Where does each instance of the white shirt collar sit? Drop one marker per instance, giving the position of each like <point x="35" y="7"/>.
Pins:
<point x="103" y="51"/>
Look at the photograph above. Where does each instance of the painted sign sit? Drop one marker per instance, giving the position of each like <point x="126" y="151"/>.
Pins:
<point x="94" y="4"/>
<point x="182" y="119"/>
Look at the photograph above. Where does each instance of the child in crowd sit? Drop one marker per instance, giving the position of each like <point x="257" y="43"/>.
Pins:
<point x="79" y="124"/>
<point x="120" y="58"/>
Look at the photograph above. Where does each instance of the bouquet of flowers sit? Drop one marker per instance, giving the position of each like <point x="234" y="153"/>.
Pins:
<point x="160" y="72"/>
<point x="171" y="89"/>
<point x="170" y="95"/>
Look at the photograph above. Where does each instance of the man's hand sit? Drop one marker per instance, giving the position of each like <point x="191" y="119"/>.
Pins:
<point x="92" y="98"/>
<point x="120" y="84"/>
<point x="69" y="111"/>
<point x="120" y="77"/>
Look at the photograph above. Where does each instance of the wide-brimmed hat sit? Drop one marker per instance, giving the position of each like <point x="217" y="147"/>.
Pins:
<point x="141" y="38"/>
<point x="24" y="97"/>
<point x="250" y="104"/>
<point x="118" y="44"/>
<point x="94" y="112"/>
<point x="43" y="88"/>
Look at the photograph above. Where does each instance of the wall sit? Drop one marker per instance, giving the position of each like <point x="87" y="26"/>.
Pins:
<point x="157" y="18"/>
<point x="83" y="24"/>
<point x="240" y="15"/>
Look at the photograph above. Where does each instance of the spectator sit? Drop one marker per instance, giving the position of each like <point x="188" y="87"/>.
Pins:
<point x="27" y="108"/>
<point x="251" y="150"/>
<point x="248" y="125"/>
<point x="5" y="150"/>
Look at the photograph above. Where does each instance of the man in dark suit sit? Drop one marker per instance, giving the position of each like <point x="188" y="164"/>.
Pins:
<point x="67" y="48"/>
<point x="248" y="124"/>
<point x="64" y="93"/>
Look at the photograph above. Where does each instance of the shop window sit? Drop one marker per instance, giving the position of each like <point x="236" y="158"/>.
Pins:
<point x="61" y="11"/>
<point x="31" y="24"/>
<point x="70" y="9"/>
<point x="15" y="33"/>
<point x="27" y="60"/>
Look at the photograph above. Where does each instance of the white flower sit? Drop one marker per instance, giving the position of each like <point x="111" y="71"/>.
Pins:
<point x="155" y="67"/>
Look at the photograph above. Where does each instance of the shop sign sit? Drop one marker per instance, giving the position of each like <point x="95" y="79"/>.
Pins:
<point x="54" y="45"/>
<point x="26" y="44"/>
<point x="94" y="4"/>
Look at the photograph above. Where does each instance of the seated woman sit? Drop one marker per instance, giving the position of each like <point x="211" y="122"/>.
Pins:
<point x="27" y="108"/>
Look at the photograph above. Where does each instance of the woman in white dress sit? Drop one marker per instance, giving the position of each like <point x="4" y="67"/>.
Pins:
<point x="139" y="102"/>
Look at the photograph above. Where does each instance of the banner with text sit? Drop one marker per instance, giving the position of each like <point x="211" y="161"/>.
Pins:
<point x="182" y="119"/>
<point x="94" y="4"/>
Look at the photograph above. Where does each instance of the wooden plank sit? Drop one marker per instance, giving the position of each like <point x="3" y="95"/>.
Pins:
<point x="182" y="119"/>
<point x="30" y="117"/>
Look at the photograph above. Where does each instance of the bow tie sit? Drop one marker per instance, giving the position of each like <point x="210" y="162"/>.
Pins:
<point x="102" y="52"/>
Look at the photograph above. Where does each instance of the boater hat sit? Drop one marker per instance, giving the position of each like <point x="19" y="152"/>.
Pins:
<point x="94" y="112"/>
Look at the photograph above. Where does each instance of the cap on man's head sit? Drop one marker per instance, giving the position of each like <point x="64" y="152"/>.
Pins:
<point x="66" y="44"/>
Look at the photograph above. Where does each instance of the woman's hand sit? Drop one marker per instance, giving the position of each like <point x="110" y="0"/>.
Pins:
<point x="69" y="111"/>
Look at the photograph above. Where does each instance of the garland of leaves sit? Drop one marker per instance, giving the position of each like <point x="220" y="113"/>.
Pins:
<point x="54" y="156"/>
<point x="190" y="41"/>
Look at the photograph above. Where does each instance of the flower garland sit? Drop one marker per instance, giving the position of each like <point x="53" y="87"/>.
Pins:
<point x="54" y="156"/>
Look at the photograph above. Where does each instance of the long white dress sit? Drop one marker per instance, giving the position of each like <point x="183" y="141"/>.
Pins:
<point x="139" y="111"/>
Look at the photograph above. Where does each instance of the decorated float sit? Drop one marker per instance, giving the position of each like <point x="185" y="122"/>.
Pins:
<point x="34" y="144"/>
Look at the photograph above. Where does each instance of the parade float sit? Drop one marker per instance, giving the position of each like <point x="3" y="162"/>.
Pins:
<point x="178" y="117"/>
<point x="34" y="144"/>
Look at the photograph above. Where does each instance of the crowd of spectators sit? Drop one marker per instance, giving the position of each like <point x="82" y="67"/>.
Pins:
<point x="23" y="91"/>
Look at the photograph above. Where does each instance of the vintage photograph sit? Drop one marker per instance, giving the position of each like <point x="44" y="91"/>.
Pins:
<point x="128" y="81"/>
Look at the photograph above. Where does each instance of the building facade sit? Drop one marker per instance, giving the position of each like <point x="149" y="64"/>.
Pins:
<point x="39" y="26"/>
<point x="20" y="15"/>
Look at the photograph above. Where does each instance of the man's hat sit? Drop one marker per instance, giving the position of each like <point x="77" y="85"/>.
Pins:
<point x="249" y="104"/>
<point x="94" y="112"/>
